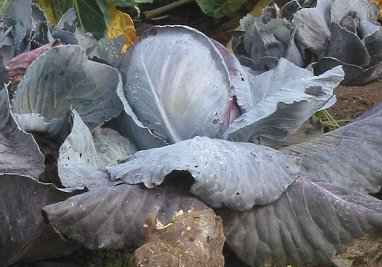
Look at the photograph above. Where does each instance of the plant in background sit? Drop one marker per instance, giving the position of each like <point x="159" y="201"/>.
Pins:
<point x="322" y="34"/>
<point x="177" y="123"/>
<point x="97" y="17"/>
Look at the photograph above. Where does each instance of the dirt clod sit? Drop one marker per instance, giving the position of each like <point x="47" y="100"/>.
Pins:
<point x="194" y="238"/>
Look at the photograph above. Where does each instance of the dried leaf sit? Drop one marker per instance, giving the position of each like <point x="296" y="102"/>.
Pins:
<point x="120" y="24"/>
<point x="379" y="4"/>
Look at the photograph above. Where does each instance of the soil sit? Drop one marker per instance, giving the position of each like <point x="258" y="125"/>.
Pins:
<point x="352" y="101"/>
<point x="192" y="239"/>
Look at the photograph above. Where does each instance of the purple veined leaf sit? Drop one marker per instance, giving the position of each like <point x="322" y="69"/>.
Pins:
<point x="310" y="225"/>
<point x="230" y="174"/>
<point x="286" y="96"/>
<point x="20" y="153"/>
<point x="114" y="217"/>
<point x="24" y="234"/>
<point x="177" y="84"/>
<point x="61" y="79"/>
<point x="354" y="75"/>
<point x="350" y="157"/>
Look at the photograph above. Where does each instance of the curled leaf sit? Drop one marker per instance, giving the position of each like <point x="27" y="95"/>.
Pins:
<point x="20" y="153"/>
<point x="234" y="175"/>
<point x="61" y="79"/>
<point x="24" y="234"/>
<point x="284" y="98"/>
<point x="78" y="162"/>
<point x="83" y="156"/>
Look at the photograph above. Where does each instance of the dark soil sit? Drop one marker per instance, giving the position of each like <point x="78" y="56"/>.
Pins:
<point x="354" y="100"/>
<point x="191" y="15"/>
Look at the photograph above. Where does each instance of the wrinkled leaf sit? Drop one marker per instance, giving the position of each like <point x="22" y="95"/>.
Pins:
<point x="285" y="98"/>
<point x="19" y="151"/>
<point x="235" y="175"/>
<point x="114" y="217"/>
<point x="305" y="227"/>
<point x="177" y="84"/>
<point x="24" y="234"/>
<point x="350" y="157"/>
<point x="61" y="79"/>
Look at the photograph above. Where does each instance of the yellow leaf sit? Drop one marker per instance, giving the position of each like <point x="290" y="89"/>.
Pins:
<point x="120" y="24"/>
<point x="48" y="9"/>
<point x="379" y="4"/>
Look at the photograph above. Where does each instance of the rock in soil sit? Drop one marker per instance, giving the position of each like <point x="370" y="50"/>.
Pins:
<point x="194" y="238"/>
